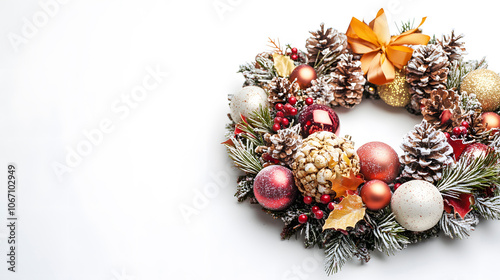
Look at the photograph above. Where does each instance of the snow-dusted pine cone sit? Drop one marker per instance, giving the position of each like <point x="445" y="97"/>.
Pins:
<point x="322" y="157"/>
<point x="472" y="113"/>
<point x="324" y="46"/>
<point x="348" y="82"/>
<point x="282" y="145"/>
<point x="426" y="152"/>
<point x="439" y="101"/>
<point x="452" y="47"/>
<point x="280" y="89"/>
<point x="426" y="71"/>
<point x="320" y="90"/>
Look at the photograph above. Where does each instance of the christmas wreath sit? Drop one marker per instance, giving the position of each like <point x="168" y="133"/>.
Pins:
<point x="283" y="135"/>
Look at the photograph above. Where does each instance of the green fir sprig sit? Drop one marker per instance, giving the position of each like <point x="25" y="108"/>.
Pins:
<point x="470" y="175"/>
<point x="244" y="156"/>
<point x="405" y="26"/>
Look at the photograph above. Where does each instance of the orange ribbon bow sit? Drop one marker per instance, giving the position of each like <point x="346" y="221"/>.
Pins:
<point x="381" y="52"/>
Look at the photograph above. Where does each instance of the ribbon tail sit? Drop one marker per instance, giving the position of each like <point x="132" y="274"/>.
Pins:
<point x="367" y="59"/>
<point x="381" y="70"/>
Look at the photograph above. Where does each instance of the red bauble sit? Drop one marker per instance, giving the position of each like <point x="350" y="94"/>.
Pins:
<point x="318" y="117"/>
<point x="491" y="120"/>
<point x="376" y="194"/>
<point x="378" y="161"/>
<point x="304" y="75"/>
<point x="476" y="150"/>
<point x="274" y="187"/>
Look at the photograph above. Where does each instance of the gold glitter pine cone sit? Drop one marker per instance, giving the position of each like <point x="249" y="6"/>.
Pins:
<point x="317" y="162"/>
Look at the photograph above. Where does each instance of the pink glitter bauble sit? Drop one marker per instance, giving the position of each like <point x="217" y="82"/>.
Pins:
<point x="378" y="161"/>
<point x="318" y="117"/>
<point x="274" y="187"/>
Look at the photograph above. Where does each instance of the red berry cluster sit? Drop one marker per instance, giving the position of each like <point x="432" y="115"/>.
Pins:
<point x="316" y="211"/>
<point x="459" y="130"/>
<point x="284" y="111"/>
<point x="295" y="54"/>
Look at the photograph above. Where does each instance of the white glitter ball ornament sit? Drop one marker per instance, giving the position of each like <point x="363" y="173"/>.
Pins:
<point x="417" y="205"/>
<point x="246" y="101"/>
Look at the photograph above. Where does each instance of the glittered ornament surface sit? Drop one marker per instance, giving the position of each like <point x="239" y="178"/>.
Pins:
<point x="417" y="205"/>
<point x="378" y="161"/>
<point x="396" y="93"/>
<point x="274" y="187"/>
<point x="486" y="85"/>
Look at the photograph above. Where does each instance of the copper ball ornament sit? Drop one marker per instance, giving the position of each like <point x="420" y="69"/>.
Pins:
<point x="486" y="85"/>
<point x="318" y="117"/>
<point x="378" y="162"/>
<point x="274" y="187"/>
<point x="490" y="120"/>
<point x="304" y="74"/>
<point x="376" y="194"/>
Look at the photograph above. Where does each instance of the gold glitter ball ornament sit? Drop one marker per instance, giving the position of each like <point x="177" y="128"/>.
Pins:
<point x="397" y="93"/>
<point x="486" y="85"/>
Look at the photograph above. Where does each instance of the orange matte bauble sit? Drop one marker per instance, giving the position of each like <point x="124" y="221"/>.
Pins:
<point x="304" y="74"/>
<point x="376" y="194"/>
<point x="490" y="120"/>
<point x="378" y="161"/>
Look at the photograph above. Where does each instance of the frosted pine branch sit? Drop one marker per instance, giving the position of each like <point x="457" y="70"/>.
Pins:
<point x="387" y="232"/>
<point x="458" y="227"/>
<point x="469" y="175"/>
<point x="244" y="156"/>
<point x="338" y="251"/>
<point x="488" y="207"/>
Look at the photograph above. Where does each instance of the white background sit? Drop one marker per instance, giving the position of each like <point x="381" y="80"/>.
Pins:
<point x="117" y="215"/>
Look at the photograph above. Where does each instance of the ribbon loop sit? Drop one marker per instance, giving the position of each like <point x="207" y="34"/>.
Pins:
<point x="381" y="52"/>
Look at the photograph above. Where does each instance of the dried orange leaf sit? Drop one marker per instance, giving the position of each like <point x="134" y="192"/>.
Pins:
<point x="346" y="214"/>
<point x="341" y="183"/>
<point x="283" y="64"/>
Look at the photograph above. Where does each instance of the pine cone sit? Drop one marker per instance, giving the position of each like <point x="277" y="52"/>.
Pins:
<point x="323" y="48"/>
<point x="320" y="90"/>
<point x="282" y="145"/>
<point x="426" y="71"/>
<point x="472" y="113"/>
<point x="280" y="89"/>
<point x="319" y="159"/>
<point x="442" y="109"/>
<point x="348" y="82"/>
<point x="452" y="47"/>
<point x="426" y="152"/>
